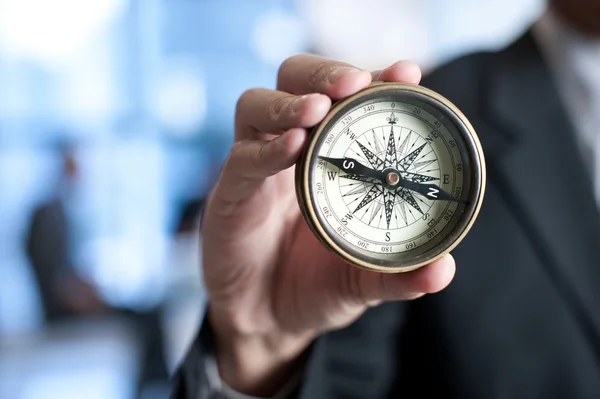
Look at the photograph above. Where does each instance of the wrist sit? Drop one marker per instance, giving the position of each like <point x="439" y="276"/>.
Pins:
<point x="257" y="364"/>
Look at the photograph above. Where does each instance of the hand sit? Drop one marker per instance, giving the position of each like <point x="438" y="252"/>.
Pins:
<point x="272" y="285"/>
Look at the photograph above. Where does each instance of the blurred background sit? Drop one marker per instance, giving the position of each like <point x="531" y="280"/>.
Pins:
<point x="115" y="117"/>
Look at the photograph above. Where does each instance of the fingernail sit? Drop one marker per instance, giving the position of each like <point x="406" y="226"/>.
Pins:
<point x="300" y="101"/>
<point x="337" y="74"/>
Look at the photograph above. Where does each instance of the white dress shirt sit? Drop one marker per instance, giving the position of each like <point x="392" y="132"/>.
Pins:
<point x="574" y="61"/>
<point x="219" y="390"/>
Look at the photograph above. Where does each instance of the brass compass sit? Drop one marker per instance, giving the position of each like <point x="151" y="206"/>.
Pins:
<point x="392" y="179"/>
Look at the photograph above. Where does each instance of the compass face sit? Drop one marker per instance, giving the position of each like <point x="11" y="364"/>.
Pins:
<point x="392" y="179"/>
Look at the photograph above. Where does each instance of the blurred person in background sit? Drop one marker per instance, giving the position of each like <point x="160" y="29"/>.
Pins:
<point x="49" y="247"/>
<point x="286" y="318"/>
<point x="66" y="295"/>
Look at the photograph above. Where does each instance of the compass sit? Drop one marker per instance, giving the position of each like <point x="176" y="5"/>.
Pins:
<point x="392" y="179"/>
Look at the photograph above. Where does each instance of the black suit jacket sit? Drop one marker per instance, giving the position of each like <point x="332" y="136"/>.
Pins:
<point x="522" y="317"/>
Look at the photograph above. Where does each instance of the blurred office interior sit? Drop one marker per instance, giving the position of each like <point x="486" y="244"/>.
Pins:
<point x="115" y="116"/>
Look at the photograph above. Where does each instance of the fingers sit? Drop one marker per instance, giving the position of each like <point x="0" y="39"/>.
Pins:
<point x="262" y="110"/>
<point x="251" y="161"/>
<point x="312" y="81"/>
<point x="372" y="288"/>
<point x="402" y="71"/>
<point x="307" y="73"/>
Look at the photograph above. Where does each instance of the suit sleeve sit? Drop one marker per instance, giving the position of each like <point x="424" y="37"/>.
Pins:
<point x="193" y="379"/>
<point x="359" y="361"/>
<point x="198" y="376"/>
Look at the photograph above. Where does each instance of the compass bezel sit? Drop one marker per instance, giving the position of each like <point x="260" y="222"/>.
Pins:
<point x="474" y="169"/>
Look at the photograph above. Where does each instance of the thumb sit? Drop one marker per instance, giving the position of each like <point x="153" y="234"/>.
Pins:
<point x="368" y="288"/>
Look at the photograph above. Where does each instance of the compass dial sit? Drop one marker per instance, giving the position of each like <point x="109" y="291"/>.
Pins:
<point x="392" y="179"/>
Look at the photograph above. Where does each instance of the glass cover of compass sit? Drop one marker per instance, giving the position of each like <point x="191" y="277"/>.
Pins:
<point x="392" y="179"/>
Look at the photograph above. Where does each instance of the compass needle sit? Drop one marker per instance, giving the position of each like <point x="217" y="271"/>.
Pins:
<point x="430" y="191"/>
<point x="351" y="165"/>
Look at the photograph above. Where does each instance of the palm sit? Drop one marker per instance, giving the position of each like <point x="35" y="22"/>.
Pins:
<point x="291" y="260"/>
<point x="309" y="271"/>
<point x="319" y="280"/>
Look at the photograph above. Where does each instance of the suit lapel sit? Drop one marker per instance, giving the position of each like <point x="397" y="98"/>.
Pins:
<point x="543" y="176"/>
